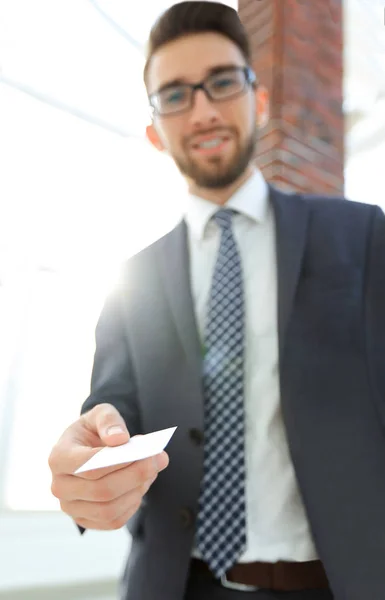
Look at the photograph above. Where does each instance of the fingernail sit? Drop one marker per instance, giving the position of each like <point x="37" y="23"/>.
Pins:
<point x="115" y="429"/>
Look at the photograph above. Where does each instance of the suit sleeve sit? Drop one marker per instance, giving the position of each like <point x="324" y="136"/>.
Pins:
<point x="113" y="377"/>
<point x="375" y="309"/>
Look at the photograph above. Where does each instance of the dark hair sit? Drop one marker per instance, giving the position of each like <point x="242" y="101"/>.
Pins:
<point x="187" y="18"/>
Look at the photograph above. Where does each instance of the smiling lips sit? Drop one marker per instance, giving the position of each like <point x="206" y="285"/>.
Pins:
<point x="210" y="144"/>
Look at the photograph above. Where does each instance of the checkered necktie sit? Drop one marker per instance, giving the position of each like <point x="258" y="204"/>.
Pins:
<point x="221" y="522"/>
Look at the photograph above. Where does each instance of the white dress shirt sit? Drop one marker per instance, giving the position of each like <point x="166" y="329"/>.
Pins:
<point x="277" y="527"/>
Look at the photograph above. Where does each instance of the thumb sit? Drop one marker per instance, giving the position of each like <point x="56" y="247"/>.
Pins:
<point x="108" y="424"/>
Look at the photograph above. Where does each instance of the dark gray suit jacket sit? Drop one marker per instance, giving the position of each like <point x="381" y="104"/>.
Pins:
<point x="331" y="319"/>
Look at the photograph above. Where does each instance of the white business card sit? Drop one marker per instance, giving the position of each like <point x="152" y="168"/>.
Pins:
<point x="137" y="448"/>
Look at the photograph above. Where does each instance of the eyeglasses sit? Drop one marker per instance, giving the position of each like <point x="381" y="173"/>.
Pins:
<point x="218" y="87"/>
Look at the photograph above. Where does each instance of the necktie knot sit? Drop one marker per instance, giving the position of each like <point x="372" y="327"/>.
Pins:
<point x="224" y="217"/>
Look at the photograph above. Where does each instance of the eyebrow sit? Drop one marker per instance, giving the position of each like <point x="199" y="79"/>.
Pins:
<point x="182" y="81"/>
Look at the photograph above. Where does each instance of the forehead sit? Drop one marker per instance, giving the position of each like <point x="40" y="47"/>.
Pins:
<point x="190" y="58"/>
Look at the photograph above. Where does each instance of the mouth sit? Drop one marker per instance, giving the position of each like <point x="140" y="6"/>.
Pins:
<point x="211" y="145"/>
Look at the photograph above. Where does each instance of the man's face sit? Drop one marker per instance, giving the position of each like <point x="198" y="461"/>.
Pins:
<point x="213" y="142"/>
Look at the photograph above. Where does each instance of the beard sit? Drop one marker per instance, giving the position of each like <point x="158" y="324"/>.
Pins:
<point x="219" y="174"/>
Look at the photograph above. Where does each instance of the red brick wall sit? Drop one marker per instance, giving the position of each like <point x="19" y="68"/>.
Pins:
<point x="298" y="55"/>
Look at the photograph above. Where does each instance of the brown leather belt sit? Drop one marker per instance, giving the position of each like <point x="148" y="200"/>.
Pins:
<point x="279" y="576"/>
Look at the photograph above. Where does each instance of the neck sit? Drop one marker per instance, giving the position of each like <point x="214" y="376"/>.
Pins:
<point x="220" y="195"/>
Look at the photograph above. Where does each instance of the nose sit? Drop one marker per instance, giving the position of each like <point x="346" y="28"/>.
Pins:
<point x="204" y="112"/>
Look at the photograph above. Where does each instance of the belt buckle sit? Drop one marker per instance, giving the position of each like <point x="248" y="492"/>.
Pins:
<point x="240" y="587"/>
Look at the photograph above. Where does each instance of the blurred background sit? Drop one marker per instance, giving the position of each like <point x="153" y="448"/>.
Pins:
<point x="78" y="182"/>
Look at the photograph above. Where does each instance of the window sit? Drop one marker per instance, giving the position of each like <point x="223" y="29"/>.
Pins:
<point x="364" y="99"/>
<point x="78" y="184"/>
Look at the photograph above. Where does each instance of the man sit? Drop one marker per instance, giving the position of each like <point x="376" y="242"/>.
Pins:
<point x="257" y="326"/>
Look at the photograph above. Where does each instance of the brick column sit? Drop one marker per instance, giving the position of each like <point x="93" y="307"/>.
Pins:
<point x="298" y="55"/>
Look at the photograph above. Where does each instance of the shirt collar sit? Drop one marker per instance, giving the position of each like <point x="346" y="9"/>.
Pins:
<point x="251" y="200"/>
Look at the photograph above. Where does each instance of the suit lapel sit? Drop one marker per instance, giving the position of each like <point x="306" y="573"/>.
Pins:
<point x="291" y="219"/>
<point x="175" y="266"/>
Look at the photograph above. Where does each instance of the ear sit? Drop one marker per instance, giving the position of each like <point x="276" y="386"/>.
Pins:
<point x="262" y="106"/>
<point x="154" y="138"/>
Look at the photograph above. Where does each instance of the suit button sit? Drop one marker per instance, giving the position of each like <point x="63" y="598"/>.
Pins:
<point x="186" y="517"/>
<point x="196" y="436"/>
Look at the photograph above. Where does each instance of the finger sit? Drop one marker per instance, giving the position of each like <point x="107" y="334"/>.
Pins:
<point x="69" y="454"/>
<point x="108" y="526"/>
<point x="105" y="512"/>
<point x="102" y="472"/>
<point x="84" y="438"/>
<point x="107" y="488"/>
<point x="162" y="460"/>
<point x="108" y="424"/>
